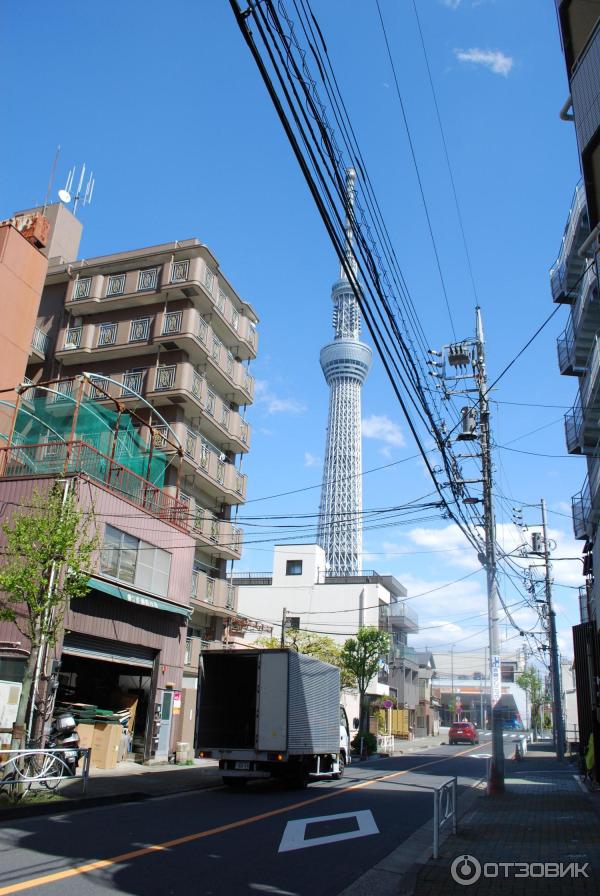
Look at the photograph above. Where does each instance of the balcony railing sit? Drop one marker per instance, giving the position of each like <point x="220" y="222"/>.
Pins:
<point x="79" y="457"/>
<point x="73" y="337"/>
<point x="567" y="271"/>
<point x="581" y="503"/>
<point x="40" y="341"/>
<point x="165" y="377"/>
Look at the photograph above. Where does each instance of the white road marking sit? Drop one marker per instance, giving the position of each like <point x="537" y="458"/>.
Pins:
<point x="295" y="831"/>
<point x="481" y="755"/>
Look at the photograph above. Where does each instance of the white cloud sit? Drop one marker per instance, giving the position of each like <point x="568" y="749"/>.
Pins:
<point x="453" y="4"/>
<point x="496" y="61"/>
<point x="274" y="404"/>
<point x="311" y="460"/>
<point x="380" y="427"/>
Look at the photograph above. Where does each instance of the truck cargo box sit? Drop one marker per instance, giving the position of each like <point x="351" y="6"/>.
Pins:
<point x="267" y="701"/>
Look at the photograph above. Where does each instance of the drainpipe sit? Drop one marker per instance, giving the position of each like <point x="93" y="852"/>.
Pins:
<point x="587" y="243"/>
<point x="564" y="114"/>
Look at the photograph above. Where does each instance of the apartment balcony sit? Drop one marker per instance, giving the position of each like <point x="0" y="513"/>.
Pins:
<point x="398" y="616"/>
<point x="586" y="310"/>
<point x="213" y="475"/>
<point x="213" y="595"/>
<point x="179" y="384"/>
<point x="582" y="429"/>
<point x="401" y="652"/>
<point x="589" y="387"/>
<point x="183" y="329"/>
<point x="190" y="278"/>
<point x="582" y="512"/>
<point x="566" y="273"/>
<point x="221" y="537"/>
<point x="40" y="343"/>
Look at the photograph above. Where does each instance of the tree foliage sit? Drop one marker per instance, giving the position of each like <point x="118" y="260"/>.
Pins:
<point x="321" y="647"/>
<point x="48" y="559"/>
<point x="361" y="657"/>
<point x="530" y="682"/>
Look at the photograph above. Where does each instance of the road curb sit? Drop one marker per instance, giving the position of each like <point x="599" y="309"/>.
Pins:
<point x="70" y="804"/>
<point x="396" y="874"/>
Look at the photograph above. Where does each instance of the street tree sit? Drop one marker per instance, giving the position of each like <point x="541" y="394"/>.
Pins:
<point x="48" y="558"/>
<point x="530" y="682"/>
<point x="361" y="657"/>
<point x="321" y="647"/>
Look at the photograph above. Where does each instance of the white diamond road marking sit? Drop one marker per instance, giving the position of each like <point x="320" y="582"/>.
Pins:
<point x="481" y="755"/>
<point x="295" y="831"/>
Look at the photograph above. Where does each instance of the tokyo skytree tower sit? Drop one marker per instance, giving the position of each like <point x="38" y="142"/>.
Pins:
<point x="345" y="363"/>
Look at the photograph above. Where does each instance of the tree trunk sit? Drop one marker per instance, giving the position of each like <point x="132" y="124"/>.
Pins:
<point x="21" y="718"/>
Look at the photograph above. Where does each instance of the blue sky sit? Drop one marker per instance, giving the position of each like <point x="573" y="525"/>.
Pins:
<point x="165" y="104"/>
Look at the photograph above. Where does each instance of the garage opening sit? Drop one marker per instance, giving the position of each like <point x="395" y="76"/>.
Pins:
<point x="106" y="684"/>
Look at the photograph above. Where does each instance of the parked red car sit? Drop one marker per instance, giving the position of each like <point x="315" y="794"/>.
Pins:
<point x="463" y="731"/>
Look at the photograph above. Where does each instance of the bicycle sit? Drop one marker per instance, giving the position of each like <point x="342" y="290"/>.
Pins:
<point x="28" y="768"/>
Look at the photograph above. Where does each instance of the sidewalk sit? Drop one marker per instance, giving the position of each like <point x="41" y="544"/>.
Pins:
<point x="128" y="781"/>
<point x="545" y="816"/>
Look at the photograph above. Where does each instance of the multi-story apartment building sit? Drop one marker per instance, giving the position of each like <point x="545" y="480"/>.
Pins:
<point x="164" y="331"/>
<point x="161" y="332"/>
<point x="574" y="281"/>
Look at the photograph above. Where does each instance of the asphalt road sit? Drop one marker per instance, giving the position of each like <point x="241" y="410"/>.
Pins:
<point x="218" y="842"/>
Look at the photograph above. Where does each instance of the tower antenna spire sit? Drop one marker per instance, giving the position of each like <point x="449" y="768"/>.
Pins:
<point x="350" y="199"/>
<point x="345" y="363"/>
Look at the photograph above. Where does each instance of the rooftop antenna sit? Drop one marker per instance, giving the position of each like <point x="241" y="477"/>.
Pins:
<point x="83" y="194"/>
<point x="51" y="180"/>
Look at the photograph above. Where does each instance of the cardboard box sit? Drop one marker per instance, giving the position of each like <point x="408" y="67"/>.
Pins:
<point x="105" y="745"/>
<point x="85" y="730"/>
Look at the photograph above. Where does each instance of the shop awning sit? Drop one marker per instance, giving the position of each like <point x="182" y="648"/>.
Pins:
<point x="137" y="597"/>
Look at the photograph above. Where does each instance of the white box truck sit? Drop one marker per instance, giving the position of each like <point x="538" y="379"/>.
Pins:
<point x="270" y="713"/>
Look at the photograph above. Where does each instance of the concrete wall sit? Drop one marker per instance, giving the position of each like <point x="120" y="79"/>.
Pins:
<point x="22" y="272"/>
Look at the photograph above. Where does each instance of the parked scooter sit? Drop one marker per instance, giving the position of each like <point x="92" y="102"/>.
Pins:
<point x="63" y="736"/>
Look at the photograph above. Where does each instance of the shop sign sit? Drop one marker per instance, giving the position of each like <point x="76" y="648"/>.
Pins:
<point x="176" y="702"/>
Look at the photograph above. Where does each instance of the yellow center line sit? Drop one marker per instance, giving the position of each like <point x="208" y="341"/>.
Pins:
<point x="200" y="835"/>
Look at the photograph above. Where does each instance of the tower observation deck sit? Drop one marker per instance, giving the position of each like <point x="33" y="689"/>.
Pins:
<point x="345" y="363"/>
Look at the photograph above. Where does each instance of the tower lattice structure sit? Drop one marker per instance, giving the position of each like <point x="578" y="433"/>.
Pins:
<point x="345" y="363"/>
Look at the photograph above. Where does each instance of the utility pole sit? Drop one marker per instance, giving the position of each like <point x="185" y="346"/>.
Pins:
<point x="496" y="773"/>
<point x="559" y="729"/>
<point x="453" y="699"/>
<point x="283" y="626"/>
<point x="460" y="356"/>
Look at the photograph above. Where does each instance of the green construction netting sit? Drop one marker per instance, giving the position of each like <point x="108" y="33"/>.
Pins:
<point x="50" y="419"/>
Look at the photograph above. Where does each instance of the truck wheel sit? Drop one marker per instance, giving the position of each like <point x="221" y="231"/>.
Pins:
<point x="342" y="764"/>
<point x="299" y="780"/>
<point x="235" y="783"/>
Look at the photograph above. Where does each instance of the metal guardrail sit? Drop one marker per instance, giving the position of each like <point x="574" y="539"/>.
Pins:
<point x="445" y="806"/>
<point x="25" y="770"/>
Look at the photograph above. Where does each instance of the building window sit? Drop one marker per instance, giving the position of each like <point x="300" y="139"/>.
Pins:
<point x="222" y="298"/>
<point x="235" y="320"/>
<point x="293" y="567"/>
<point x="136" y="562"/>
<point x="82" y="288"/>
<point x="147" y="279"/>
<point x="139" y="329"/>
<point x="116" y="285"/>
